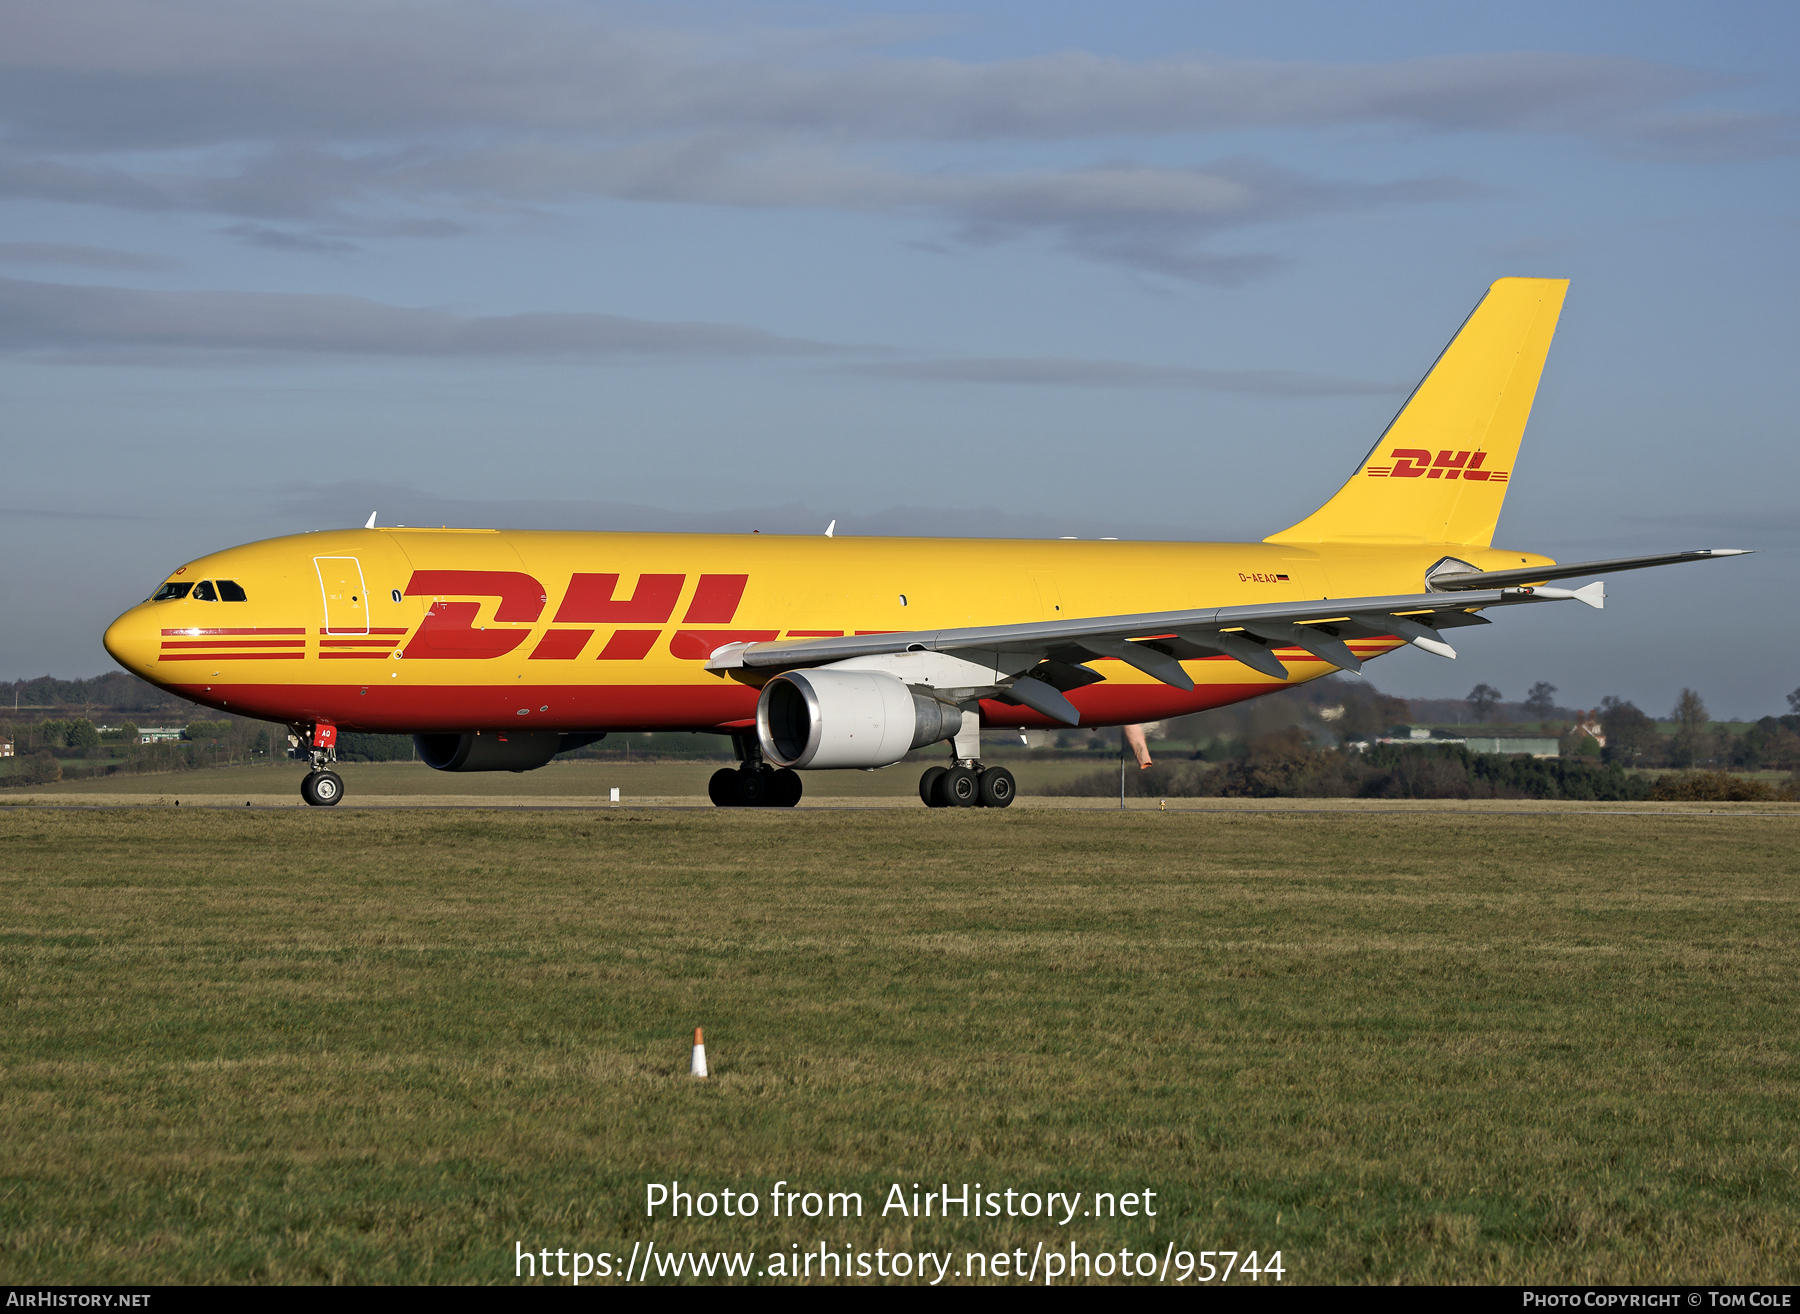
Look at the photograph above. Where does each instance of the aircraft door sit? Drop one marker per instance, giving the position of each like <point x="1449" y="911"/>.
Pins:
<point x="346" y="598"/>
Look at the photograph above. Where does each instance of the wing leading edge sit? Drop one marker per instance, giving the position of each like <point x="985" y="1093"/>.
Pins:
<point x="1028" y="662"/>
<point x="1035" y="663"/>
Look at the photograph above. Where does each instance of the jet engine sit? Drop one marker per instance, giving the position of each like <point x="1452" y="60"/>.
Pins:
<point x="825" y="718"/>
<point x="495" y="750"/>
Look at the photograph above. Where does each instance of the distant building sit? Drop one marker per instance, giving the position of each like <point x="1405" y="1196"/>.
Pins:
<point x="1424" y="735"/>
<point x="1535" y="747"/>
<point x="6" y="748"/>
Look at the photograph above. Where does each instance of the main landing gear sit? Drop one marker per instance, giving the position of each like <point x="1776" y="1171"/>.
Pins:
<point x="753" y="783"/>
<point x="967" y="785"/>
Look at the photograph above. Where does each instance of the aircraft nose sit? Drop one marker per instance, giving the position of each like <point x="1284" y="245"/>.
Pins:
<point x="132" y="641"/>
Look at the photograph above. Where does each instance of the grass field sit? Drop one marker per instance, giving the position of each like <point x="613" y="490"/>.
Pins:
<point x="572" y="781"/>
<point x="370" y="1046"/>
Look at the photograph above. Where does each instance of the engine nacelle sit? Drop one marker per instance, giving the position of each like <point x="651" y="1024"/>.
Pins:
<point x="825" y="718"/>
<point x="494" y="750"/>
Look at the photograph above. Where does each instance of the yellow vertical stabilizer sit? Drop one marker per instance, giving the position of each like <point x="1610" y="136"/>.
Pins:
<point x="1439" y="473"/>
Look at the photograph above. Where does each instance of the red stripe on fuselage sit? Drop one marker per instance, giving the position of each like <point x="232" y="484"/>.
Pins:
<point x="396" y="709"/>
<point x="242" y="630"/>
<point x="223" y="645"/>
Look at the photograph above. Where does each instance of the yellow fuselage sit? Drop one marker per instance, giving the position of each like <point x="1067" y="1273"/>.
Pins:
<point x="423" y="630"/>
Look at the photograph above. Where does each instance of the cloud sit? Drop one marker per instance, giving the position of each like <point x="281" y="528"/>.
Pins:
<point x="40" y="317"/>
<point x="1725" y="526"/>
<point x="80" y="257"/>
<point x="118" y="75"/>
<point x="1712" y="136"/>
<point x="321" y="122"/>
<point x="40" y="513"/>
<point x="82" y="324"/>
<point x="1059" y="372"/>
<point x="1538" y="248"/>
<point x="278" y="239"/>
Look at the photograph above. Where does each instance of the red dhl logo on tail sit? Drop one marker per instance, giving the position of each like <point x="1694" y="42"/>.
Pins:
<point x="1416" y="463"/>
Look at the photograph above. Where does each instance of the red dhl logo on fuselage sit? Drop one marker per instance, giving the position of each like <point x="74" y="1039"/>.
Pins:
<point x="1416" y="463"/>
<point x="449" y="630"/>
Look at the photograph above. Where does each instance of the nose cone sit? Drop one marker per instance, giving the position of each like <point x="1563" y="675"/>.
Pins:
<point x="132" y="641"/>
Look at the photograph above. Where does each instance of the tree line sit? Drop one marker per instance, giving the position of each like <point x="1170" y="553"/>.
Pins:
<point x="73" y="748"/>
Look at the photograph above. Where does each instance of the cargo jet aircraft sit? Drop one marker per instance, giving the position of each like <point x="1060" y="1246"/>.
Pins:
<point x="496" y="649"/>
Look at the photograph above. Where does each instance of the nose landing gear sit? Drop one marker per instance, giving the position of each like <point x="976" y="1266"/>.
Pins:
<point x="321" y="787"/>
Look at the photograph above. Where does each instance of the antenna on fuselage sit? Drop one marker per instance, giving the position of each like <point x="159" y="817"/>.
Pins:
<point x="829" y="528"/>
<point x="371" y="521"/>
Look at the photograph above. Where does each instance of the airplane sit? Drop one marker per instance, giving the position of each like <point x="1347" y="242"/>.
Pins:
<point x="498" y="649"/>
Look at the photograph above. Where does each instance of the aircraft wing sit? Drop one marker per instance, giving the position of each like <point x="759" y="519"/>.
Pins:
<point x="1494" y="579"/>
<point x="1036" y="662"/>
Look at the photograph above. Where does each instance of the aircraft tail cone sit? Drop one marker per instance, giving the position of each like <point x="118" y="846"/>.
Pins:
<point x="698" y="1067"/>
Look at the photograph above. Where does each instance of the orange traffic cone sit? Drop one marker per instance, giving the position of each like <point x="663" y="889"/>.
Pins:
<point x="698" y="1068"/>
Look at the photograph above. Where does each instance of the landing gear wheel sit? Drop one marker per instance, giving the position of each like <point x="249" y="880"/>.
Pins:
<point x="322" y="789"/>
<point x="997" y="788"/>
<point x="785" y="788"/>
<point x="751" y="788"/>
<point x="959" y="787"/>
<point x="928" y="786"/>
<point x="721" y="788"/>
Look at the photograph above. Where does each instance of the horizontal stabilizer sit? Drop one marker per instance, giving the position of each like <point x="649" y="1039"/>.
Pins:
<point x="1500" y="579"/>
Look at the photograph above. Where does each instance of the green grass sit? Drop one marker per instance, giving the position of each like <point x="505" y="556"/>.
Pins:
<point x="386" y="1046"/>
<point x="558" y="780"/>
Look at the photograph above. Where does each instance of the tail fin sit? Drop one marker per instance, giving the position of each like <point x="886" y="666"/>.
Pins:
<point x="1438" y="473"/>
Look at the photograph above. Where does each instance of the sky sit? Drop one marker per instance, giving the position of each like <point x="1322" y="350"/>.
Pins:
<point x="1155" y="270"/>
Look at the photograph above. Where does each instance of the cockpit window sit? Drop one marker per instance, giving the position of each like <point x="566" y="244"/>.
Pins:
<point x="231" y="591"/>
<point x="203" y="592"/>
<point x="169" y="592"/>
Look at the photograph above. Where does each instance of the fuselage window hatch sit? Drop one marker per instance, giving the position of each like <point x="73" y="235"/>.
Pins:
<point x="231" y="591"/>
<point x="170" y="592"/>
<point x="204" y="592"/>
